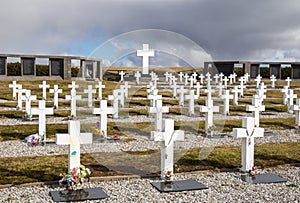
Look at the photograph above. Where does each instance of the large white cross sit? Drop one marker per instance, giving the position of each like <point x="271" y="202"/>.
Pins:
<point x="137" y="75"/>
<point x="296" y="108"/>
<point x="181" y="92"/>
<point x="74" y="138"/>
<point x="44" y="87"/>
<point x="28" y="98"/>
<point x="103" y="111"/>
<point x="191" y="97"/>
<point x="209" y="109"/>
<point x="90" y="91"/>
<point x="115" y="98"/>
<point x="99" y="86"/>
<point x="256" y="107"/>
<point x="42" y="111"/>
<point x="145" y="53"/>
<point x="73" y="97"/>
<point x="20" y="94"/>
<point x="288" y="81"/>
<point x="55" y="90"/>
<point x="258" y="80"/>
<point x="158" y="110"/>
<point x="235" y="92"/>
<point x="122" y="73"/>
<point x="167" y="139"/>
<point x="248" y="133"/>
<point x="273" y="80"/>
<point x="154" y="97"/>
<point x="226" y="97"/>
<point x="14" y="87"/>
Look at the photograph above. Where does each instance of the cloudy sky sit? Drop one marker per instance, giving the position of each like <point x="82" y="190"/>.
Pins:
<point x="224" y="29"/>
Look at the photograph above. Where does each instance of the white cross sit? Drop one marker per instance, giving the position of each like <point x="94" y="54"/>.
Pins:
<point x="173" y="79"/>
<point x="167" y="139"/>
<point x="137" y="75"/>
<point x="201" y="77"/>
<point x="246" y="76"/>
<point x="195" y="76"/>
<point x="191" y="97"/>
<point x="90" y="91"/>
<point x="155" y="79"/>
<point x="288" y="81"/>
<point x="235" y="92"/>
<point x="145" y="53"/>
<point x="99" y="86"/>
<point x="180" y="76"/>
<point x="44" y="86"/>
<point x="174" y="87"/>
<point x="73" y="85"/>
<point x="220" y="88"/>
<point x="234" y="77"/>
<point x="74" y="138"/>
<point x="208" y="79"/>
<point x="73" y="97"/>
<point x="198" y="87"/>
<point x="225" y="80"/>
<point x="20" y="94"/>
<point x="28" y="98"/>
<point x="258" y="80"/>
<point x="248" y="133"/>
<point x="242" y="86"/>
<point x="291" y="96"/>
<point x="256" y="107"/>
<point x="209" y="109"/>
<point x="216" y="78"/>
<point x="181" y="92"/>
<point x="154" y="97"/>
<point x="55" y="90"/>
<point x="115" y="98"/>
<point x="166" y="74"/>
<point x="42" y="111"/>
<point x="158" y="110"/>
<point x="285" y="94"/>
<point x="273" y="80"/>
<point x="296" y="108"/>
<point x="103" y="111"/>
<point x="152" y="74"/>
<point x="122" y="73"/>
<point x="122" y="96"/>
<point x="231" y="79"/>
<point x="186" y="77"/>
<point x="150" y="87"/>
<point x="14" y="87"/>
<point x="221" y="75"/>
<point x="191" y="79"/>
<point x="226" y="97"/>
<point x="126" y="87"/>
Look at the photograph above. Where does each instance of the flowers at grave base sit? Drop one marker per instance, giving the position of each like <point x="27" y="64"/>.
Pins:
<point x="98" y="129"/>
<point x="34" y="139"/>
<point x="75" y="178"/>
<point x="253" y="171"/>
<point x="168" y="175"/>
<point x="116" y="137"/>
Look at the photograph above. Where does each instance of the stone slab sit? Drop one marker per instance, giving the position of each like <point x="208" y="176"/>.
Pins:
<point x="263" y="178"/>
<point x="178" y="186"/>
<point x="78" y="195"/>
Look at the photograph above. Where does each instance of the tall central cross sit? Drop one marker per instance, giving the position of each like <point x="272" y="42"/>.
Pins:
<point x="42" y="111"/>
<point x="248" y="133"/>
<point x="55" y="91"/>
<point x="44" y="87"/>
<point x="145" y="53"/>
<point x="73" y="97"/>
<point x="158" y="110"/>
<point x="103" y="111"/>
<point x="74" y="138"/>
<point x="90" y="91"/>
<point x="167" y="139"/>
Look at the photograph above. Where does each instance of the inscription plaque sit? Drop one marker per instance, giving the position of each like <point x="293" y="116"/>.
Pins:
<point x="28" y="66"/>
<point x="57" y="67"/>
<point x="2" y="66"/>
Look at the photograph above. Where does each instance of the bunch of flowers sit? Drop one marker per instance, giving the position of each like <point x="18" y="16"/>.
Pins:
<point x="253" y="171"/>
<point x="34" y="139"/>
<point x="168" y="174"/>
<point x="75" y="178"/>
<point x="98" y="128"/>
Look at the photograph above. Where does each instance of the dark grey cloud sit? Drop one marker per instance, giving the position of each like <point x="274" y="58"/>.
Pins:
<point x="227" y="29"/>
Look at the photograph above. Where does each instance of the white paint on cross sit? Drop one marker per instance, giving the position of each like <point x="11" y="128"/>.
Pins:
<point x="115" y="98"/>
<point x="167" y="139"/>
<point x="145" y="54"/>
<point x="194" y="75"/>
<point x="285" y="91"/>
<point x="126" y="88"/>
<point x="44" y="87"/>
<point x="296" y="109"/>
<point x="235" y="92"/>
<point x="248" y="133"/>
<point x="55" y="91"/>
<point x="166" y="74"/>
<point x="14" y="87"/>
<point x="221" y="75"/>
<point x="74" y="138"/>
<point x="242" y="86"/>
<point x="234" y="77"/>
<point x="122" y="73"/>
<point x="201" y="77"/>
<point x="137" y="75"/>
<point x="186" y="78"/>
<point x="273" y="80"/>
<point x="198" y="87"/>
<point x="181" y="92"/>
<point x="209" y="109"/>
<point x="154" y="97"/>
<point x="90" y="91"/>
<point x="174" y="88"/>
<point x="28" y="98"/>
<point x="258" y="80"/>
<point x="288" y="81"/>
<point x="191" y="97"/>
<point x="220" y="87"/>
<point x="290" y="97"/>
<point x="20" y="95"/>
<point x="226" y="97"/>
<point x="225" y="80"/>
<point x="158" y="110"/>
<point x="122" y="96"/>
<point x="42" y="111"/>
<point x="246" y="76"/>
<point x="99" y="86"/>
<point x="73" y="85"/>
<point x="73" y="98"/>
<point x="230" y="79"/>
<point x="103" y="111"/>
<point x="180" y="76"/>
<point x="256" y="108"/>
<point x="216" y="77"/>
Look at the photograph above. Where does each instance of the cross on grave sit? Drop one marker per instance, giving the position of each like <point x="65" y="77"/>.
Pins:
<point x="296" y="108"/>
<point x="216" y="77"/>
<point x="103" y="111"/>
<point x="242" y="86"/>
<point x="198" y="87"/>
<point x="258" y="80"/>
<point x="55" y="90"/>
<point x="28" y="98"/>
<point x="209" y="92"/>
<point x="201" y="77"/>
<point x="90" y="91"/>
<point x="261" y="95"/>
<point x="174" y="87"/>
<point x="225" y="80"/>
<point x="152" y="74"/>
<point x="73" y="98"/>
<point x="226" y="97"/>
<point x="74" y="138"/>
<point x="246" y="76"/>
<point x="194" y="75"/>
<point x="234" y="77"/>
<point x="44" y="86"/>
<point x="145" y="54"/>
<point x="180" y="76"/>
<point x="191" y="97"/>
<point x="235" y="92"/>
<point x="154" y="97"/>
<point x="248" y="133"/>
<point x="158" y="110"/>
<point x="115" y="98"/>
<point x="73" y="85"/>
<point x="209" y="109"/>
<point x="137" y="75"/>
<point x="191" y="79"/>
<point x="208" y="79"/>
<point x="220" y="88"/>
<point x="288" y="81"/>
<point x="126" y="87"/>
<point x="155" y="79"/>
<point x="221" y="75"/>
<point x="273" y="80"/>
<point x="173" y="79"/>
<point x="230" y="79"/>
<point x="20" y="94"/>
<point x="181" y="92"/>
<point x="167" y="139"/>
<point x="14" y="87"/>
<point x="166" y="74"/>
<point x="99" y="86"/>
<point x="256" y="107"/>
<point x="290" y="97"/>
<point x="150" y="88"/>
<point x="122" y="73"/>
<point x="42" y="111"/>
<point x="285" y="94"/>
<point x="186" y="77"/>
<point x="122" y="96"/>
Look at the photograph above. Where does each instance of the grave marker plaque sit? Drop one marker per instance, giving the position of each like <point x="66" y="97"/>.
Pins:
<point x="28" y="66"/>
<point x="2" y="65"/>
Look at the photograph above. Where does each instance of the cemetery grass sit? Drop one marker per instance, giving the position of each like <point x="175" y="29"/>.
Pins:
<point x="19" y="170"/>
